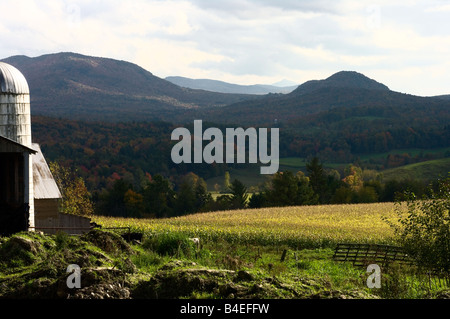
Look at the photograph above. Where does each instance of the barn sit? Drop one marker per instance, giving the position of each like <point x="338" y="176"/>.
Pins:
<point x="29" y="195"/>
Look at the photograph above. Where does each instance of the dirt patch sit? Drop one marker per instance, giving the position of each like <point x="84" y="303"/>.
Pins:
<point x="102" y="291"/>
<point x="108" y="241"/>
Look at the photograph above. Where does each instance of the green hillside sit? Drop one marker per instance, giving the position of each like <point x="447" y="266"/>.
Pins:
<point x="428" y="170"/>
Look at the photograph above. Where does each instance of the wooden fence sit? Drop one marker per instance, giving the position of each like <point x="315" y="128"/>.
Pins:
<point x="383" y="255"/>
<point x="366" y="254"/>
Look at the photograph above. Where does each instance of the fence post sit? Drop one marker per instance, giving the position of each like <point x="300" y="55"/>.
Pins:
<point x="283" y="255"/>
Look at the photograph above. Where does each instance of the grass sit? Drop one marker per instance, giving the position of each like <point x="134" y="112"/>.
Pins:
<point x="304" y="226"/>
<point x="254" y="240"/>
<point x="428" y="170"/>
<point x="283" y="252"/>
<point x="411" y="151"/>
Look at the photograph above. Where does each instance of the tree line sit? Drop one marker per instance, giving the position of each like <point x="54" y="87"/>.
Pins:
<point x="161" y="197"/>
<point x="104" y="152"/>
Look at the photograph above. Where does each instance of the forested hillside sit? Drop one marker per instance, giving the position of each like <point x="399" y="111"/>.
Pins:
<point x="104" y="152"/>
<point x="93" y="88"/>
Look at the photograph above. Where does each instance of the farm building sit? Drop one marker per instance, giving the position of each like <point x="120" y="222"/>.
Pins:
<point x="29" y="195"/>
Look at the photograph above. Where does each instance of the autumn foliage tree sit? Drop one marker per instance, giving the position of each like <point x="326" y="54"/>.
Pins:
<point x="76" y="198"/>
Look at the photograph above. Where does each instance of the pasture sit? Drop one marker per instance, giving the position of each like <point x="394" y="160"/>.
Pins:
<point x="291" y="245"/>
<point x="300" y="227"/>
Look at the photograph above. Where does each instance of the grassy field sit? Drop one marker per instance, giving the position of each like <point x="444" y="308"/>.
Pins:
<point x="273" y="253"/>
<point x="298" y="227"/>
<point x="253" y="240"/>
<point x="428" y="170"/>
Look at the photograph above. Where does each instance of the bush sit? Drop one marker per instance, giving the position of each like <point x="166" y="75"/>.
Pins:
<point x="146" y="259"/>
<point x="424" y="229"/>
<point x="62" y="240"/>
<point x="394" y="284"/>
<point x="170" y="244"/>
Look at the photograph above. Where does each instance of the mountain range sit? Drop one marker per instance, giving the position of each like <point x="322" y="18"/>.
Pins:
<point x="70" y="85"/>
<point x="225" y="87"/>
<point x="94" y="88"/>
<point x="343" y="90"/>
<point x="78" y="102"/>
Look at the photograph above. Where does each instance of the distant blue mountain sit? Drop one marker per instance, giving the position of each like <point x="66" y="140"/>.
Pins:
<point x="224" y="87"/>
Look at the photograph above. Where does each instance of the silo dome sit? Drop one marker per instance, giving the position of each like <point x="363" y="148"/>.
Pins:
<point x="12" y="81"/>
<point x="15" y="116"/>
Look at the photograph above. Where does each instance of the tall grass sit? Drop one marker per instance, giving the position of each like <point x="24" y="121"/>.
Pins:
<point x="297" y="227"/>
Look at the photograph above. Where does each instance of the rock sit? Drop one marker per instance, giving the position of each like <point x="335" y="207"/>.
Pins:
<point x="227" y="289"/>
<point x="19" y="251"/>
<point x="243" y="275"/>
<point x="26" y="244"/>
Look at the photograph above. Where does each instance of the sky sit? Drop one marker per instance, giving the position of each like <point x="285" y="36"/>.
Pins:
<point x="402" y="44"/>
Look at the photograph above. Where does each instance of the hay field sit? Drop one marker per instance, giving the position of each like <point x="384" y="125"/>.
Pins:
<point x="299" y="227"/>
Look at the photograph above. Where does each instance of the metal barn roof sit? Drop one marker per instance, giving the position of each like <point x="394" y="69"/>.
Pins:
<point x="45" y="186"/>
<point x="9" y="146"/>
<point x="12" y="80"/>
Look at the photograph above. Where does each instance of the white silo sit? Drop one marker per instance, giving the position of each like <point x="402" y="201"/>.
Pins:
<point x="15" y="124"/>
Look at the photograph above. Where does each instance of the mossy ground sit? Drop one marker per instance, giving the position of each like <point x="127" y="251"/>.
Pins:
<point x="34" y="265"/>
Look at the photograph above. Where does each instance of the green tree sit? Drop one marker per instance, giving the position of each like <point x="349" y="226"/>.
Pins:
<point x="112" y="201"/>
<point x="317" y="177"/>
<point x="192" y="195"/>
<point x="287" y="189"/>
<point x="283" y="190"/>
<point x="159" y="197"/>
<point x="423" y="228"/>
<point x="257" y="200"/>
<point x="305" y="192"/>
<point x="76" y="198"/>
<point x="202" y="197"/>
<point x="185" y="200"/>
<point x="239" y="196"/>
<point x="366" y="194"/>
<point x="342" y="195"/>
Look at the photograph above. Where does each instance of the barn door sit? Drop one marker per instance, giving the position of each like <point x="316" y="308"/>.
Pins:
<point x="13" y="210"/>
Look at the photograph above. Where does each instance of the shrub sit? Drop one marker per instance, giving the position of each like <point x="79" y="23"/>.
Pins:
<point x="394" y="283"/>
<point x="170" y="244"/>
<point x="146" y="259"/>
<point x="62" y="240"/>
<point x="424" y="229"/>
